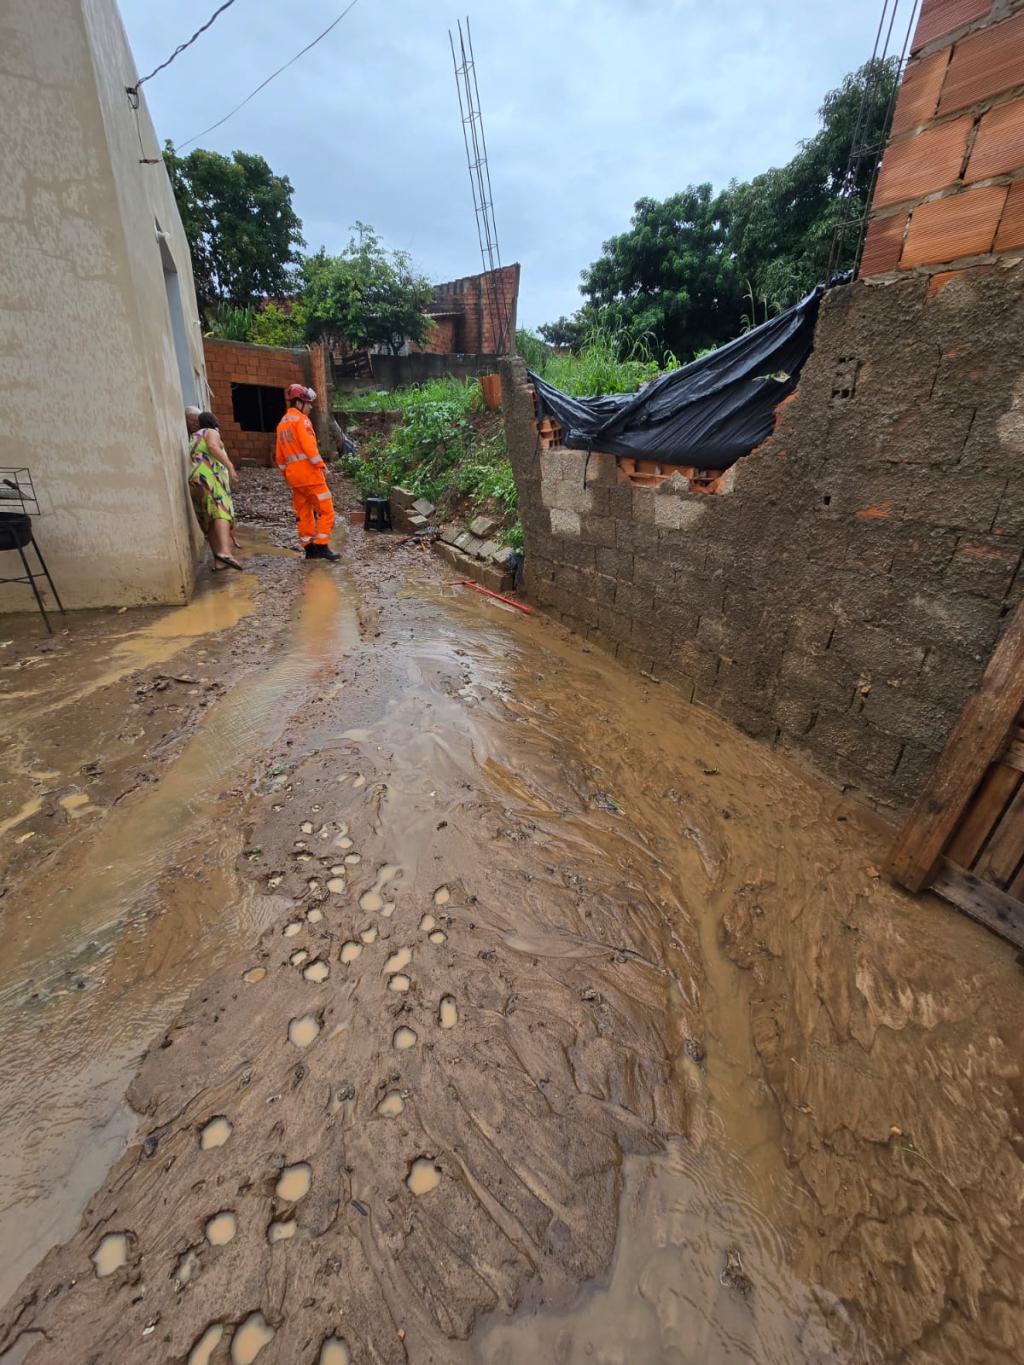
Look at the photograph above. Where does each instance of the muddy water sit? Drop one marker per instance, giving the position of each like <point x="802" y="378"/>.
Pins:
<point x="685" y="1081"/>
<point x="100" y="949"/>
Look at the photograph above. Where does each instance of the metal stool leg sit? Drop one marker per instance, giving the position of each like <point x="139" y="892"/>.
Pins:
<point x="46" y="571"/>
<point x="32" y="581"/>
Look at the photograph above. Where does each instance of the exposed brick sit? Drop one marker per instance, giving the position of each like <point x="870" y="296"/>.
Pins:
<point x="883" y="244"/>
<point x="939" y="17"/>
<point x="999" y="143"/>
<point x="984" y="64"/>
<point x="960" y="225"/>
<point x="919" y="92"/>
<point x="1011" y="225"/>
<point x="922" y="163"/>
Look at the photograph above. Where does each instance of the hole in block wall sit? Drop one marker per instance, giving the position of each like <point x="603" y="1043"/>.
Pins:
<point x="257" y="407"/>
<point x="844" y="379"/>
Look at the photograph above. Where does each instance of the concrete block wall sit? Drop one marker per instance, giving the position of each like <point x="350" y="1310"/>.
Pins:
<point x="235" y="362"/>
<point x="843" y="593"/>
<point x="950" y="193"/>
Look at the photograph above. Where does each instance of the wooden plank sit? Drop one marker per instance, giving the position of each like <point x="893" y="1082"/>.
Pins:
<point x="1016" y="887"/>
<point x="978" y="737"/>
<point x="998" y="787"/>
<point x="982" y="901"/>
<point x="1004" y="850"/>
<point x="1014" y="755"/>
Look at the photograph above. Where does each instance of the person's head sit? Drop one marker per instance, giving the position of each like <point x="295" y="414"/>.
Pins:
<point x="192" y="420"/>
<point x="300" y="397"/>
<point x="206" y="420"/>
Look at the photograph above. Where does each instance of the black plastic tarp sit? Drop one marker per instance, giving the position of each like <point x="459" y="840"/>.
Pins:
<point x="707" y="414"/>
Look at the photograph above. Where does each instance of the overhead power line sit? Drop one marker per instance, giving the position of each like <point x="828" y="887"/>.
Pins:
<point x="263" y="84"/>
<point x="134" y="89"/>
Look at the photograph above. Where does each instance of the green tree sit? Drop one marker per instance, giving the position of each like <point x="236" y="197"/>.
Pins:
<point x="275" y="326"/>
<point x="368" y="296"/>
<point x="672" y="277"/>
<point x="566" y="332"/>
<point x="783" y="222"/>
<point x="242" y="231"/>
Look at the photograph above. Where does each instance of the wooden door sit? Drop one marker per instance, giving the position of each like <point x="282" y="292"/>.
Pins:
<point x="965" y="836"/>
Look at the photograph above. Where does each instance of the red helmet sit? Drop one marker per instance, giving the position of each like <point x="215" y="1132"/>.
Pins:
<point x="298" y="393"/>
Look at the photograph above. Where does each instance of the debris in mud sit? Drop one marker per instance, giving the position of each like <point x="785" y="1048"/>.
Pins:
<point x="733" y="1275"/>
<point x="604" y="801"/>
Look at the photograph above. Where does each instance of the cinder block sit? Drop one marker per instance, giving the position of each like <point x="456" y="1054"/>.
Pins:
<point x="563" y="522"/>
<point x="959" y="225"/>
<point x="679" y="513"/>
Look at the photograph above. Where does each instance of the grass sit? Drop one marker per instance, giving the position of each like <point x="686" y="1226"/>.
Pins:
<point x="596" y="368"/>
<point x="399" y="400"/>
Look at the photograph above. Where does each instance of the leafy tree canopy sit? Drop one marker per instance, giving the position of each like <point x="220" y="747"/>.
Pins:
<point x="694" y="268"/>
<point x="367" y="296"/>
<point x="242" y="231"/>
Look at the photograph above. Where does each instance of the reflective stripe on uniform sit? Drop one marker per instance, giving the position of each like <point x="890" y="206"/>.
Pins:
<point x="321" y="496"/>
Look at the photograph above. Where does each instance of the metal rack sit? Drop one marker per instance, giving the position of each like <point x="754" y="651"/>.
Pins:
<point x="19" y="503"/>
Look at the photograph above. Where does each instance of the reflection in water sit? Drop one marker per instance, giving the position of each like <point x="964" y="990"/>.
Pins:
<point x="101" y="949"/>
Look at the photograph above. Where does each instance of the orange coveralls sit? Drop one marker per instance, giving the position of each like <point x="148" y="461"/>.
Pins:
<point x="299" y="461"/>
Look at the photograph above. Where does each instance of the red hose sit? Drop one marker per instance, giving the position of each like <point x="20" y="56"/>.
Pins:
<point x="469" y="583"/>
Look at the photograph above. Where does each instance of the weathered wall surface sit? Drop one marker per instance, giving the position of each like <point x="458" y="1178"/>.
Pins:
<point x="843" y="595"/>
<point x="236" y="362"/>
<point x="92" y="383"/>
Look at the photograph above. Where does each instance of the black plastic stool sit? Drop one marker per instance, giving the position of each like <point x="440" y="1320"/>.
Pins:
<point x="16" y="534"/>
<point x="377" y="515"/>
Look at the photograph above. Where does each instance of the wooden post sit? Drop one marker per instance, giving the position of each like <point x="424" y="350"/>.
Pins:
<point x="977" y="740"/>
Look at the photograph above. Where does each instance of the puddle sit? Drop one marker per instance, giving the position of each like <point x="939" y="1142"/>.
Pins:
<point x="298" y="957"/>
<point x="337" y="885"/>
<point x="374" y="899"/>
<point x="314" y="916"/>
<point x="111" y="1254"/>
<point x="250" y="1338"/>
<point x="292" y="928"/>
<point x="317" y="972"/>
<point x="221" y="1229"/>
<point x="397" y="961"/>
<point x="448" y="1013"/>
<point x="283" y="1231"/>
<point x="404" y="1038"/>
<point x="427" y="923"/>
<point x="294" y="1182"/>
<point x="202" y="1352"/>
<point x="423" y="1176"/>
<point x="399" y="982"/>
<point x="438" y="937"/>
<point x="76" y="804"/>
<point x="335" y="1352"/>
<point x="369" y="935"/>
<point x="350" y="951"/>
<point x="215" y="1133"/>
<point x="303" y="1030"/>
<point x="31" y="807"/>
<point x="442" y="896"/>
<point x="254" y="975"/>
<point x="391" y="1105"/>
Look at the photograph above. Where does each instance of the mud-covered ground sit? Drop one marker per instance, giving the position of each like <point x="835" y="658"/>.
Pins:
<point x="531" y="1013"/>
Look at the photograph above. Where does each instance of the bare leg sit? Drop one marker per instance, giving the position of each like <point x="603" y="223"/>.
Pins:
<point x="220" y="540"/>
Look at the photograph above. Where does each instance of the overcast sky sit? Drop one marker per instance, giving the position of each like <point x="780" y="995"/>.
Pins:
<point x="588" y="104"/>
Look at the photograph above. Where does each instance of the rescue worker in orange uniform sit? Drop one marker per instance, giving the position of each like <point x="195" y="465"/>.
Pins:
<point x="299" y="461"/>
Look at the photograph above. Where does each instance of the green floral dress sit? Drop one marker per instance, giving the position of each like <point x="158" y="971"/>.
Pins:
<point x="208" y="483"/>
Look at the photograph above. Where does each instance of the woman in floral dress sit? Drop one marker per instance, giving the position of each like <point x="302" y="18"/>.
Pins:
<point x="210" y="480"/>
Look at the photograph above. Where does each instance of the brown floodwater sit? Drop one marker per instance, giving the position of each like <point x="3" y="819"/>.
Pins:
<point x="821" y="1074"/>
<point x="100" y="948"/>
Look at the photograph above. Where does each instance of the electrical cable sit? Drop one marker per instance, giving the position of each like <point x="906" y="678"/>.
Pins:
<point x="134" y="89"/>
<point x="264" y="84"/>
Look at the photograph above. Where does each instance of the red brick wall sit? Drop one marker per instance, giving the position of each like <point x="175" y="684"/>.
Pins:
<point x="478" y="309"/>
<point x="229" y="362"/>
<point x="951" y="189"/>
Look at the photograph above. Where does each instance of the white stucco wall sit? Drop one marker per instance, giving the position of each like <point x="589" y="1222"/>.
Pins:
<point x="90" y="384"/>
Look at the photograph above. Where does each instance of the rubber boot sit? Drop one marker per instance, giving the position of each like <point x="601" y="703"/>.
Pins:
<point x="325" y="552"/>
<point x="312" y="551"/>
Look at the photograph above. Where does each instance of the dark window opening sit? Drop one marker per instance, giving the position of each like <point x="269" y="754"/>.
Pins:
<point x="257" y="407"/>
